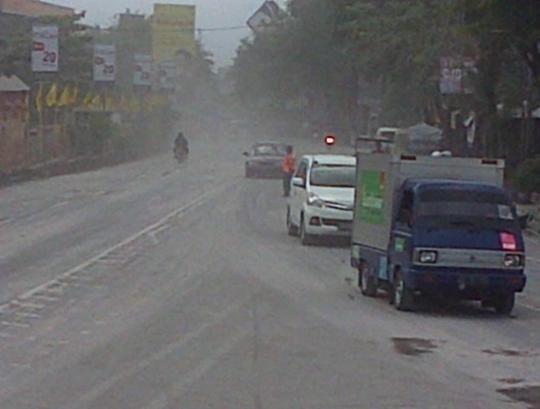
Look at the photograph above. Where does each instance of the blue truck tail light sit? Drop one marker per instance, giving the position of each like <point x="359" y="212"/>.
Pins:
<point x="508" y="241"/>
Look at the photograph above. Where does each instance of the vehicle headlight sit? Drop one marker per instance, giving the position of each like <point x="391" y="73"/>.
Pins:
<point x="314" y="200"/>
<point x="513" y="260"/>
<point x="427" y="257"/>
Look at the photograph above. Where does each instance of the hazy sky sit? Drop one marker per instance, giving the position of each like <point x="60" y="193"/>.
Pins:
<point x="210" y="13"/>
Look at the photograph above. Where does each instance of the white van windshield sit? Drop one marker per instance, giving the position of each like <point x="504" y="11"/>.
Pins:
<point x="333" y="176"/>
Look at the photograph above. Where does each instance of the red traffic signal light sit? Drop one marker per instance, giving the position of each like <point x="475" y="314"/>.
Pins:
<point x="330" y="140"/>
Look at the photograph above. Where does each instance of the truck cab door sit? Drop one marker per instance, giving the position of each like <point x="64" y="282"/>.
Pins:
<point x="401" y="242"/>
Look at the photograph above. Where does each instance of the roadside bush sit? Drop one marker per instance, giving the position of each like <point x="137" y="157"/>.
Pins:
<point x="527" y="176"/>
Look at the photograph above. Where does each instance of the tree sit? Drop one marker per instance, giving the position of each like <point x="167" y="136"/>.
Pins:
<point x="506" y="35"/>
<point x="322" y="49"/>
<point x="298" y="71"/>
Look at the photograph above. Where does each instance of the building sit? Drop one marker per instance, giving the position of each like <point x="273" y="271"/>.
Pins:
<point x="34" y="8"/>
<point x="16" y="15"/>
<point x="13" y="122"/>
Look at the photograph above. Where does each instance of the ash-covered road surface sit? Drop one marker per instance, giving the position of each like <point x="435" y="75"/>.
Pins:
<point x="157" y="286"/>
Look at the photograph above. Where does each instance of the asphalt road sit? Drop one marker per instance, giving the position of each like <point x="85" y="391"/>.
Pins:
<point x="152" y="285"/>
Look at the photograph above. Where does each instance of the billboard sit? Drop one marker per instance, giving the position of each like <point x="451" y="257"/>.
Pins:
<point x="264" y="16"/>
<point x="455" y="75"/>
<point x="142" y="69"/>
<point x="104" y="63"/>
<point x="168" y="74"/>
<point x="173" y="32"/>
<point x="45" y="48"/>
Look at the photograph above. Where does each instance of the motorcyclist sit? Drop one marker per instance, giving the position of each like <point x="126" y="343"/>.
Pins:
<point x="181" y="145"/>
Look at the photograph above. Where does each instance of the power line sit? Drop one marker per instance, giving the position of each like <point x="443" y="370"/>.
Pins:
<point x="177" y="30"/>
<point x="223" y="28"/>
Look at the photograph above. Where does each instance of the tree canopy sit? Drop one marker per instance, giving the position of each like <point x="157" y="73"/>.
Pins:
<point x="332" y="53"/>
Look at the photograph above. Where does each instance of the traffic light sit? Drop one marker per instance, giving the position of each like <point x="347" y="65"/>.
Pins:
<point x="330" y="140"/>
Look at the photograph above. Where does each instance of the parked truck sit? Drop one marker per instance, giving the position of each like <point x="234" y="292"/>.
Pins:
<point x="436" y="225"/>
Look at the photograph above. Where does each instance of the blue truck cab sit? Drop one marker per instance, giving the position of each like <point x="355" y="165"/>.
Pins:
<point x="439" y="226"/>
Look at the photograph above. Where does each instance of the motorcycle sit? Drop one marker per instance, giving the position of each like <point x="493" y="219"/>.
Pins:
<point x="181" y="154"/>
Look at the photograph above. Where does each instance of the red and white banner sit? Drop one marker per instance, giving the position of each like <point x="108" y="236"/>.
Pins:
<point x="45" y="48"/>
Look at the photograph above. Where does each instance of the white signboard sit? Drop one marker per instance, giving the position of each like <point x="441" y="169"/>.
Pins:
<point x="104" y="63"/>
<point x="45" y="48"/>
<point x="142" y="70"/>
<point x="264" y="16"/>
<point x="168" y="73"/>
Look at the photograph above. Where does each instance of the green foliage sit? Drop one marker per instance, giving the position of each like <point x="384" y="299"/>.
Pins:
<point x="92" y="133"/>
<point x="298" y="71"/>
<point x="320" y="49"/>
<point x="527" y="177"/>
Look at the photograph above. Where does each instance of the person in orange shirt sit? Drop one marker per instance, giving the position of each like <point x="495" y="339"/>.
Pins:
<point x="288" y="166"/>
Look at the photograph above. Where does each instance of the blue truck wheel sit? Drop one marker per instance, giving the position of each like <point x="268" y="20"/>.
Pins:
<point x="403" y="296"/>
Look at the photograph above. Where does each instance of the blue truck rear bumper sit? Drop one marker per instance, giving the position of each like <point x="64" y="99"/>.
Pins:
<point x="471" y="283"/>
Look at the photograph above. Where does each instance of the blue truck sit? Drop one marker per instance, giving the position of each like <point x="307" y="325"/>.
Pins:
<point x="441" y="226"/>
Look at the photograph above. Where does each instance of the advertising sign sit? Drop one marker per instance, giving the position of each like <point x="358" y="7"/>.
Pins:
<point x="173" y="32"/>
<point x="45" y="48"/>
<point x="371" y="204"/>
<point x="142" y="70"/>
<point x="104" y="63"/>
<point x="455" y="75"/>
<point x="168" y="74"/>
<point x="264" y="16"/>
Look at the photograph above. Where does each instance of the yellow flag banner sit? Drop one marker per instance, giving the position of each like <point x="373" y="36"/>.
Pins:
<point x="74" y="96"/>
<point x="109" y="103"/>
<point x="39" y="99"/>
<point x="97" y="102"/>
<point x="87" y="101"/>
<point x="52" y="96"/>
<point x="64" y="96"/>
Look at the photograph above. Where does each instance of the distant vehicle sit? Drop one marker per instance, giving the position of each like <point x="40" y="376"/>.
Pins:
<point x="421" y="139"/>
<point x="264" y="159"/>
<point x="436" y="225"/>
<point x="322" y="197"/>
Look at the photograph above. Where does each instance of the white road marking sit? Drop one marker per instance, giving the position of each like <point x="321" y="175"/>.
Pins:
<point x="31" y="306"/>
<point x="153" y="237"/>
<point x="84" y="279"/>
<point x="22" y="314"/>
<point x="46" y="298"/>
<point x="16" y="324"/>
<point x="6" y="335"/>
<point x="107" y="384"/>
<point x="52" y="290"/>
<point x="163" y="401"/>
<point x="56" y="287"/>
